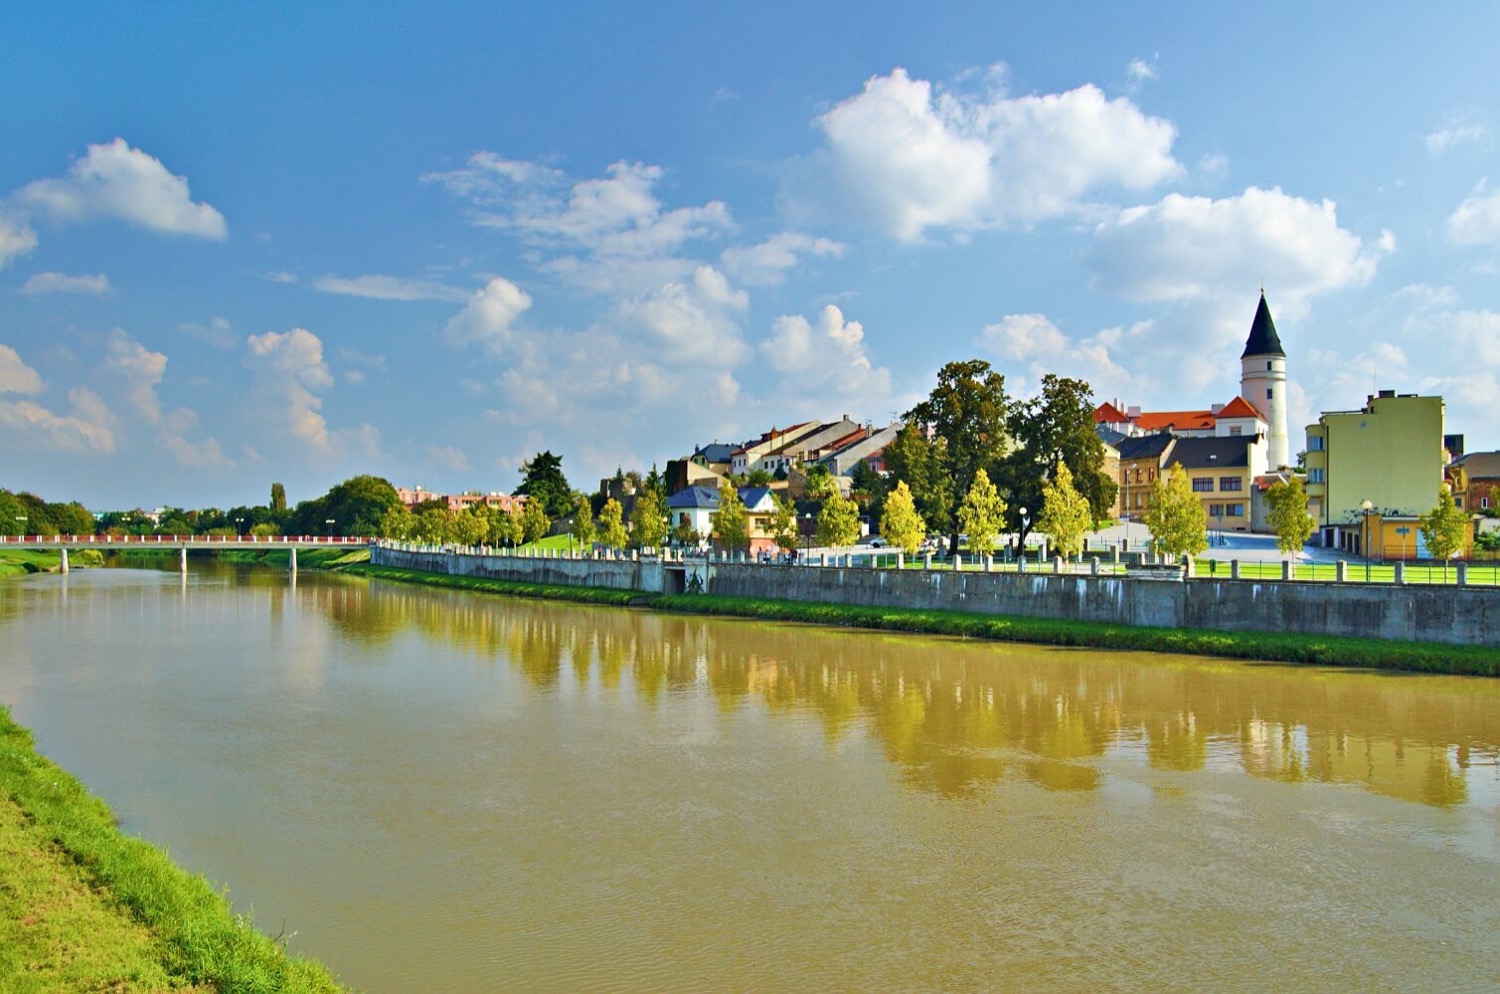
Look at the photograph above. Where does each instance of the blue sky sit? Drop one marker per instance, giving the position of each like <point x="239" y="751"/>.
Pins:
<point x="260" y="244"/>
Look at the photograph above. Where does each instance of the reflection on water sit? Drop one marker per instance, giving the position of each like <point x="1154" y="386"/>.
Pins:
<point x="448" y="791"/>
<point x="956" y="715"/>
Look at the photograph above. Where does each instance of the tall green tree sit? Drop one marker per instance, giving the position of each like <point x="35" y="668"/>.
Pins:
<point x="783" y="523"/>
<point x="72" y="518"/>
<point x="917" y="461"/>
<point x="869" y="489"/>
<point x="1057" y="424"/>
<point x="38" y="517"/>
<point x="535" y="521"/>
<point x="1176" y="517"/>
<point x="278" y="499"/>
<point x="11" y="513"/>
<point x="542" y="477"/>
<point x="356" y="507"/>
<point x="1445" y="529"/>
<point x="648" y="519"/>
<point x="1288" y="515"/>
<point x="471" y="526"/>
<point x="982" y="514"/>
<point x="731" y="522"/>
<point x="583" y="521"/>
<point x="901" y="525"/>
<point x="397" y="523"/>
<point x="506" y="528"/>
<point x="612" y="525"/>
<point x="1065" y="514"/>
<point x="838" y="521"/>
<point x="965" y="415"/>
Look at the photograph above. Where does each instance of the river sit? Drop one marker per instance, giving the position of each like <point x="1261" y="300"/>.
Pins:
<point x="442" y="791"/>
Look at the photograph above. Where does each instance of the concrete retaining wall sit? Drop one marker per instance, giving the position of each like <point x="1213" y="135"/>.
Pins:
<point x="1461" y="615"/>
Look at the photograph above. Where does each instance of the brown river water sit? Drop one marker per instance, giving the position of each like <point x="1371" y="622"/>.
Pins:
<point x="449" y="792"/>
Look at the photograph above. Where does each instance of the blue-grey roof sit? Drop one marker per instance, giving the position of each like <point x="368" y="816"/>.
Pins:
<point x="716" y="451"/>
<point x="750" y="496"/>
<point x="690" y="498"/>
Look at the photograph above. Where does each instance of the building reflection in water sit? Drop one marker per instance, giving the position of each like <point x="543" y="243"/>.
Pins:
<point x="955" y="716"/>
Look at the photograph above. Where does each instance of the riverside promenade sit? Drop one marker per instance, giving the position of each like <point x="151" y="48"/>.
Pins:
<point x="1134" y="592"/>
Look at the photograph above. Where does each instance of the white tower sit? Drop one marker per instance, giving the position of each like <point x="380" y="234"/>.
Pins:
<point x="1263" y="381"/>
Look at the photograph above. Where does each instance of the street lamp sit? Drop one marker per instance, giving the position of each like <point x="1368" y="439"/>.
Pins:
<point x="1364" y="542"/>
<point x="238" y="530"/>
<point x="22" y="518"/>
<point x="807" y="532"/>
<point x="1021" y="538"/>
<point x="329" y="523"/>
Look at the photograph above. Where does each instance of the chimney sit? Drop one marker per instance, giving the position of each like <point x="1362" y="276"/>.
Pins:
<point x="1133" y="412"/>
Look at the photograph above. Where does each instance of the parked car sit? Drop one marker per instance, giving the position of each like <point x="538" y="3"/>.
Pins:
<point x="877" y="542"/>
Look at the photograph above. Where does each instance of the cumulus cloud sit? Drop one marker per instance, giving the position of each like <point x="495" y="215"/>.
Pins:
<point x="696" y="321"/>
<point x="1198" y="248"/>
<point x="30" y="426"/>
<point x="487" y="317"/>
<point x="88" y="286"/>
<point x="1477" y="220"/>
<point x="288" y="368"/>
<point x="114" y="180"/>
<point x="217" y="332"/>
<point x="767" y="262"/>
<point x="907" y="157"/>
<point x="139" y="372"/>
<point x="377" y="287"/>
<point x="1140" y="70"/>
<point x="825" y="362"/>
<point x="1034" y="346"/>
<point x="449" y="457"/>
<point x="16" y="238"/>
<point x="15" y="375"/>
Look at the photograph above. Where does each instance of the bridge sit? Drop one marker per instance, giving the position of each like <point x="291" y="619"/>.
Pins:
<point x="182" y="543"/>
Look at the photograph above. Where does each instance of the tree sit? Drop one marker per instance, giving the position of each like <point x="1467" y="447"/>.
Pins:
<point x="535" y="522"/>
<point x="611" y="525"/>
<point x="11" y="513"/>
<point x="869" y="489"/>
<point x="838" y="521"/>
<point x="471" y="526"/>
<point x="506" y="528"/>
<point x="783" y="523"/>
<point x="357" y="506"/>
<point x="916" y="460"/>
<point x="397" y="524"/>
<point x="1288" y="515"/>
<point x="820" y="482"/>
<point x="1066" y="513"/>
<point x="1445" y="528"/>
<point x="731" y="521"/>
<point x="684" y="534"/>
<point x="583" y="521"/>
<point x="759" y="477"/>
<point x="982" y="514"/>
<point x="278" y="499"/>
<point x="72" y="518"/>
<point x="542" y="479"/>
<point x="1175" y="516"/>
<point x="1057" y="424"/>
<point x="965" y="415"/>
<point x="433" y="525"/>
<point x="648" y="520"/>
<point x="901" y="525"/>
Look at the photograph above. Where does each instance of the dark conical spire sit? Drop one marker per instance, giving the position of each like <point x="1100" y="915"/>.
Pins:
<point x="1263" y="340"/>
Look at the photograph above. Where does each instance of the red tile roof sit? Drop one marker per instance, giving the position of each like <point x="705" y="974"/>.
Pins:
<point x="1240" y="408"/>
<point x="1181" y="420"/>
<point x="1108" y="414"/>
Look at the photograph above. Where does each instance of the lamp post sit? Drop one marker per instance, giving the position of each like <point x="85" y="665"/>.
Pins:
<point x="238" y="530"/>
<point x="329" y="523"/>
<point x="807" y="532"/>
<point x="1021" y="538"/>
<point x="1364" y="543"/>
<point x="22" y="519"/>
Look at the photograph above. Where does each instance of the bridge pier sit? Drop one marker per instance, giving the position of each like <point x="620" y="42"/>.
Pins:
<point x="182" y="560"/>
<point x="64" y="559"/>
<point x="291" y="563"/>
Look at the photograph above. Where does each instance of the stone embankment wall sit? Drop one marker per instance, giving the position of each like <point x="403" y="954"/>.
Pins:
<point x="1451" y="614"/>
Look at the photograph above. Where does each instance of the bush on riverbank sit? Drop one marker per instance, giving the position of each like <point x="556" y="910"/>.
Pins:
<point x="100" y="910"/>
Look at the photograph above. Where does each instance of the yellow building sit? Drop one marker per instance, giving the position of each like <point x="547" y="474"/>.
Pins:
<point x="1374" y="471"/>
<point x="1222" y="472"/>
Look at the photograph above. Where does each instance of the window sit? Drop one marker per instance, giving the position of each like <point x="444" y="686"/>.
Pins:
<point x="1268" y="364"/>
<point x="1234" y="510"/>
<point x="1216" y="510"/>
<point x="1231" y="483"/>
<point x="1315" y="475"/>
<point x="1315" y="443"/>
<point x="1484" y="501"/>
<point x="1203" y="484"/>
<point x="1235" y="430"/>
<point x="1268" y="393"/>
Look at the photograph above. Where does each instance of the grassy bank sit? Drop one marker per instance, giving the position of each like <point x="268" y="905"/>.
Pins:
<point x="1282" y="647"/>
<point x="579" y="595"/>
<point x="19" y="562"/>
<point x="84" y="907"/>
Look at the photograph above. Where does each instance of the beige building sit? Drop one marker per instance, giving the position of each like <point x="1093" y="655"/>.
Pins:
<point x="1372" y="472"/>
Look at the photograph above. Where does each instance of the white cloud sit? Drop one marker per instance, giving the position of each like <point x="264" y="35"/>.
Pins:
<point x="288" y="368"/>
<point x="139" y="372"/>
<point x="1140" y="70"/>
<point x="377" y="287"/>
<point x="825" y="363"/>
<point x="85" y="430"/>
<point x="117" y="181"/>
<point x="1477" y="220"/>
<point x="88" y="286"/>
<point x="15" y="375"/>
<point x="16" y="238"/>
<point x="1459" y="128"/>
<point x="1037" y="346"/>
<point x="695" y="322"/>
<point x="766" y="263"/>
<point x="1197" y="248"/>
<point x="449" y="457"/>
<point x="906" y="159"/>
<point x="216" y="333"/>
<point x="487" y="318"/>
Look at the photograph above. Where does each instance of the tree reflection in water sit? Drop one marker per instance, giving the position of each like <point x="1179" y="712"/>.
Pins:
<point x="955" y="716"/>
